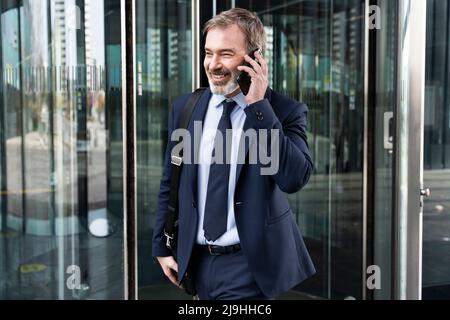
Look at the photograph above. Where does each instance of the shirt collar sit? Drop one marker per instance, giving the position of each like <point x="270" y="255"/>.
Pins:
<point x="216" y="100"/>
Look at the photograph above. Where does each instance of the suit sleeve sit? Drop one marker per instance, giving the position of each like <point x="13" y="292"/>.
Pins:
<point x="159" y="248"/>
<point x="295" y="164"/>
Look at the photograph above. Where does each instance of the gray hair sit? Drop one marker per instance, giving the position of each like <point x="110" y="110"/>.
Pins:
<point x="247" y="21"/>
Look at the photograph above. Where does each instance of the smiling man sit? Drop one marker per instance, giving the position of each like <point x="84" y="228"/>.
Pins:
<point x="237" y="232"/>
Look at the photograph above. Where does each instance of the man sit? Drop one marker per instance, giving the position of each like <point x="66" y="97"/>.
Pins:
<point x="236" y="228"/>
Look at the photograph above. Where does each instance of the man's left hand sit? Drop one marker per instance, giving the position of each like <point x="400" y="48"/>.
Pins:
<point x="259" y="75"/>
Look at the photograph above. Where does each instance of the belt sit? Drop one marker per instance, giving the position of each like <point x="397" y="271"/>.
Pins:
<point x="219" y="250"/>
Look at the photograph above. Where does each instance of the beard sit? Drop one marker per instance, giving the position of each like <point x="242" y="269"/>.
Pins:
<point x="225" y="86"/>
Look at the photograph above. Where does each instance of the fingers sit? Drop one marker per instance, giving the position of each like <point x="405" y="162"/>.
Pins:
<point x="170" y="269"/>
<point x="253" y="63"/>
<point x="173" y="265"/>
<point x="249" y="70"/>
<point x="168" y="263"/>
<point x="262" y="62"/>
<point x="259" y="67"/>
<point x="171" y="276"/>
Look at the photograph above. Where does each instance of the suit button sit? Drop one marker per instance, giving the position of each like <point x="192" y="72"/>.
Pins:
<point x="258" y="113"/>
<point x="260" y="118"/>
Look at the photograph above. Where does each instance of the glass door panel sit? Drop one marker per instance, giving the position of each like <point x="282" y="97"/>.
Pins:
<point x="61" y="145"/>
<point x="436" y="174"/>
<point x="383" y="102"/>
<point x="164" y="72"/>
<point x="316" y="55"/>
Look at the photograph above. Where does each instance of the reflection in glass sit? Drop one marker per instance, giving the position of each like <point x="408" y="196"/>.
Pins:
<point x="384" y="157"/>
<point x="316" y="55"/>
<point x="164" y="72"/>
<point x="61" y="187"/>
<point x="436" y="211"/>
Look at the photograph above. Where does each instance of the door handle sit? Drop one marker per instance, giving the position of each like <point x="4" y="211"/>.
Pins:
<point x="388" y="131"/>
<point x="426" y="192"/>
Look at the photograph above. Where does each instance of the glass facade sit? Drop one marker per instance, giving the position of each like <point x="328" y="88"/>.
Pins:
<point x="164" y="72"/>
<point x="436" y="213"/>
<point x="61" y="145"/>
<point x="382" y="108"/>
<point x="316" y="55"/>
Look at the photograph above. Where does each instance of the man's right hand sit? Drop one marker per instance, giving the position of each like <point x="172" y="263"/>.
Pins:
<point x="170" y="268"/>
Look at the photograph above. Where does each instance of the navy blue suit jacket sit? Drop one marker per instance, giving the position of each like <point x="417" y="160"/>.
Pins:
<point x="269" y="236"/>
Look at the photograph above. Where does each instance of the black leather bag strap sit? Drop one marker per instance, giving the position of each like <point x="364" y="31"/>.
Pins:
<point x="177" y="164"/>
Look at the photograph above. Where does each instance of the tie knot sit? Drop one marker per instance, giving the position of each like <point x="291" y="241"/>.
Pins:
<point x="228" y="107"/>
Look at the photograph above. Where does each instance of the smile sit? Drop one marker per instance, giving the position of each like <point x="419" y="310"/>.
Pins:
<point x="219" y="77"/>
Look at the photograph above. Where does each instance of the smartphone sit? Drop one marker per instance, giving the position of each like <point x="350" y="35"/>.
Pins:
<point x="243" y="79"/>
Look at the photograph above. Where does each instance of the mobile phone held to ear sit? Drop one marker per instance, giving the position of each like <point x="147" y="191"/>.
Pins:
<point x="243" y="79"/>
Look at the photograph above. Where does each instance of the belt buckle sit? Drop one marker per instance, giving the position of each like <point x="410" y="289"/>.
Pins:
<point x="211" y="253"/>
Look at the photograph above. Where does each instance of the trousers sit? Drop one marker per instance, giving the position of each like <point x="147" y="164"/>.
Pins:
<point x="224" y="277"/>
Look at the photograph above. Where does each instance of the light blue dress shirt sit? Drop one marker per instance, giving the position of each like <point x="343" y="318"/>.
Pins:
<point x="210" y="124"/>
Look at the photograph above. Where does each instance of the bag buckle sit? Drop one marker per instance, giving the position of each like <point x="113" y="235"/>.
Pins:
<point x="177" y="161"/>
<point x="168" y="240"/>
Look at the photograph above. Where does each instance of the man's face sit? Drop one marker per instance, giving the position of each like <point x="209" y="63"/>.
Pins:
<point x="224" y="52"/>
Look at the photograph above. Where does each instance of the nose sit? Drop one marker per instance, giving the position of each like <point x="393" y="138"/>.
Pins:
<point x="215" y="63"/>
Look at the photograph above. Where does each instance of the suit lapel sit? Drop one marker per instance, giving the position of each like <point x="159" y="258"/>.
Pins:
<point x="246" y="148"/>
<point x="198" y="115"/>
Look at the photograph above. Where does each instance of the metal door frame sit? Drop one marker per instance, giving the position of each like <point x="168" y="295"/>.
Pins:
<point x="408" y="214"/>
<point x="128" y="36"/>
